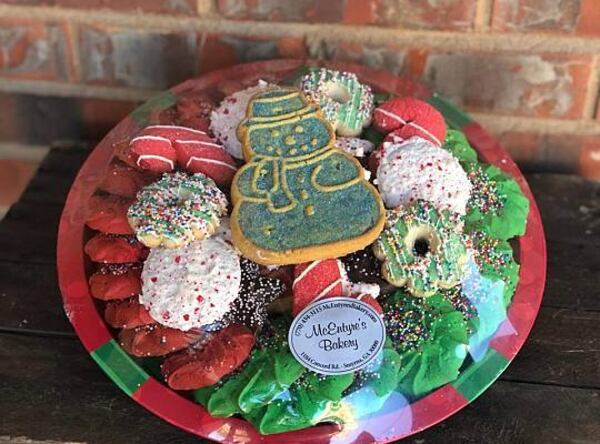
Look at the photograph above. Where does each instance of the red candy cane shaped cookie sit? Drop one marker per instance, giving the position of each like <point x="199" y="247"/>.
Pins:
<point x="160" y="148"/>
<point x="328" y="278"/>
<point x="405" y="117"/>
<point x="316" y="280"/>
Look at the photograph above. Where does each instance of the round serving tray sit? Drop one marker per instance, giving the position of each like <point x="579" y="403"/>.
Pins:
<point x="394" y="420"/>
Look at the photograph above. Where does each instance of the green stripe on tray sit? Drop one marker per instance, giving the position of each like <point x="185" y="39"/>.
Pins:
<point x="454" y="117"/>
<point x="120" y="367"/>
<point x="141" y="115"/>
<point x="480" y="375"/>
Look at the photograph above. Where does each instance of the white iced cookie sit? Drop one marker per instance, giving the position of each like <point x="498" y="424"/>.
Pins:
<point x="225" y="119"/>
<point x="418" y="169"/>
<point x="354" y="146"/>
<point x="191" y="286"/>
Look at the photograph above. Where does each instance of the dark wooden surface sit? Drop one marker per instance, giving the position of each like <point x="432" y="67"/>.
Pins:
<point x="51" y="390"/>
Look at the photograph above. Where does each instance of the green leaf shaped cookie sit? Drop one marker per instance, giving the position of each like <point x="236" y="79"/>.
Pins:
<point x="496" y="261"/>
<point x="497" y="205"/>
<point x="431" y="338"/>
<point x="457" y="144"/>
<point x="422" y="249"/>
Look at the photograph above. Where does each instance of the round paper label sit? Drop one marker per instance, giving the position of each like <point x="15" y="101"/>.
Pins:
<point x="336" y="336"/>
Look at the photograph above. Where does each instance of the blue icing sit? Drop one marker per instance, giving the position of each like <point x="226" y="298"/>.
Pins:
<point x="488" y="298"/>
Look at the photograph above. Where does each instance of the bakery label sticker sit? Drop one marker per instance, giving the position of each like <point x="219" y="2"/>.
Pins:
<point x="336" y="336"/>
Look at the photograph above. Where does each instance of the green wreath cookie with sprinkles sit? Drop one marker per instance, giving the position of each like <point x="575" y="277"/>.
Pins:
<point x="342" y="200"/>
<point x="421" y="248"/>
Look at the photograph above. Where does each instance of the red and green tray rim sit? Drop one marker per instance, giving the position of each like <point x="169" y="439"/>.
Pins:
<point x="180" y="411"/>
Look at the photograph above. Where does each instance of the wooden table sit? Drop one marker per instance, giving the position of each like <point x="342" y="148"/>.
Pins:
<point x="52" y="391"/>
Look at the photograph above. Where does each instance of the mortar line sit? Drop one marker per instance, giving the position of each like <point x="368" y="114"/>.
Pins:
<point x="592" y="91"/>
<point x="442" y="40"/>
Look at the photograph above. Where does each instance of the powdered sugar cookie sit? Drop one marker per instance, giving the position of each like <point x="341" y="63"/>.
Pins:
<point x="192" y="286"/>
<point x="228" y="115"/>
<point x="417" y="169"/>
<point x="355" y="146"/>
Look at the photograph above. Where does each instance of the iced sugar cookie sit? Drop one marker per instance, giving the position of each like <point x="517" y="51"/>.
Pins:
<point x="417" y="169"/>
<point x="176" y="210"/>
<point x="191" y="286"/>
<point x="298" y="199"/>
<point x="421" y="249"/>
<point x="225" y="119"/>
<point x="346" y="103"/>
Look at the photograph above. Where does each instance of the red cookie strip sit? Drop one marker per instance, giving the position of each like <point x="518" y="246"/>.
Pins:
<point x="123" y="180"/>
<point x="324" y="279"/>
<point x="225" y="352"/>
<point x="111" y="249"/>
<point x="406" y="117"/>
<point x="127" y="314"/>
<point x="159" y="148"/>
<point x="156" y="340"/>
<point x="116" y="282"/>
<point x="316" y="280"/>
<point x="108" y="214"/>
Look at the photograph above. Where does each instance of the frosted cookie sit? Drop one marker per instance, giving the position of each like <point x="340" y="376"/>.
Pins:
<point x="405" y="117"/>
<point x="346" y="103"/>
<point x="417" y="169"/>
<point x="176" y="210"/>
<point x="220" y="355"/>
<point x="298" y="199"/>
<point x="421" y="249"/>
<point x="354" y="146"/>
<point x="225" y="119"/>
<point x="192" y="286"/>
<point x="160" y="148"/>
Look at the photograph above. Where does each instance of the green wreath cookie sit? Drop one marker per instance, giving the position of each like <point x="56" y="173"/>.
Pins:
<point x="422" y="249"/>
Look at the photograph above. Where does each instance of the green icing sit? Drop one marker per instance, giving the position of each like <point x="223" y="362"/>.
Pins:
<point x="422" y="248"/>
<point x="267" y="375"/>
<point x="383" y="374"/>
<point x="431" y="339"/>
<point x="497" y="205"/>
<point x="457" y="144"/>
<point x="312" y="400"/>
<point x="297" y="191"/>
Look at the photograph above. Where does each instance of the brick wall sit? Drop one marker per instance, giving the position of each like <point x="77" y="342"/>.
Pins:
<point x="526" y="69"/>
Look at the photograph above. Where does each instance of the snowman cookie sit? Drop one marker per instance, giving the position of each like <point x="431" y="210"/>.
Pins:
<point x="298" y="198"/>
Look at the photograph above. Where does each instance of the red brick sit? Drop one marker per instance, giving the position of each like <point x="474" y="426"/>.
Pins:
<point x="221" y="51"/>
<point x="539" y="152"/>
<point x="589" y="19"/>
<point x="285" y="11"/>
<point x="385" y="57"/>
<point x="541" y="85"/>
<point x="359" y="12"/>
<point x="35" y="50"/>
<point x="152" y="6"/>
<point x="589" y="158"/>
<point x="419" y="14"/>
<point x="136" y="58"/>
<point x="557" y="16"/>
<point x="535" y="15"/>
